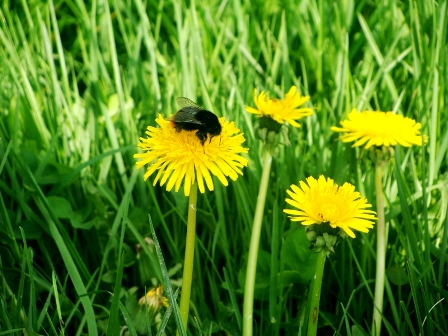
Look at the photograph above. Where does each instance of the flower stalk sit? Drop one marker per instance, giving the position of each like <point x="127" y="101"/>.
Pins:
<point x="380" y="252"/>
<point x="190" y="158"/>
<point x="330" y="214"/>
<point x="273" y="117"/>
<point x="189" y="256"/>
<point x="379" y="132"/>
<point x="315" y="294"/>
<point x="248" y="305"/>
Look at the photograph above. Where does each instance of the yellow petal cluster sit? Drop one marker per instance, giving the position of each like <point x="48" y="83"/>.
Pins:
<point x="282" y="111"/>
<point x="180" y="158"/>
<point x="154" y="299"/>
<point x="376" y="128"/>
<point x="323" y="201"/>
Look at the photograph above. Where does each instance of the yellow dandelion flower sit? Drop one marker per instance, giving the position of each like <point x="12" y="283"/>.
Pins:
<point x="379" y="129"/>
<point x="154" y="299"/>
<point x="324" y="202"/>
<point x="180" y="157"/>
<point x="282" y="111"/>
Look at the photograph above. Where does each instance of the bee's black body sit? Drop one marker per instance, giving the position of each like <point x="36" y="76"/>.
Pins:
<point x="192" y="117"/>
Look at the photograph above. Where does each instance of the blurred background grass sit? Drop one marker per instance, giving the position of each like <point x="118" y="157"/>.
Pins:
<point x="80" y="82"/>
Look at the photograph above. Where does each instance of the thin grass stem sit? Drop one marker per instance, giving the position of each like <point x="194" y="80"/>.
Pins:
<point x="315" y="294"/>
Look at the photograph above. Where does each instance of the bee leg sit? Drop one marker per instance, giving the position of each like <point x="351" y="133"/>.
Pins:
<point x="178" y="127"/>
<point x="201" y="136"/>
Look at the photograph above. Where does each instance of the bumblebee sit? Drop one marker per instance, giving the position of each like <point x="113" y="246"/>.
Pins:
<point x="191" y="117"/>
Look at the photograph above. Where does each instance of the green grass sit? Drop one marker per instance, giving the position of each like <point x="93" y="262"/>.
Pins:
<point x="80" y="82"/>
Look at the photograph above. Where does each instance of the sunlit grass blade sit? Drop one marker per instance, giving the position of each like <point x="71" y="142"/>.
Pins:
<point x="415" y="296"/>
<point x="166" y="282"/>
<point x="411" y="234"/>
<point x="166" y="316"/>
<point x="236" y="308"/>
<point x="409" y="325"/>
<point x="127" y="319"/>
<point x="275" y="256"/>
<point x="4" y="313"/>
<point x="113" y="326"/>
<point x="68" y="259"/>
<point x="32" y="309"/>
<point x="9" y="229"/>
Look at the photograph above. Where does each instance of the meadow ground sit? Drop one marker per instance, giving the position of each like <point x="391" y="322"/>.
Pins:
<point x="81" y="81"/>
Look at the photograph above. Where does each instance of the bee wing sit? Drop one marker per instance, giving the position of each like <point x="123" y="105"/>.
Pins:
<point x="186" y="116"/>
<point x="184" y="102"/>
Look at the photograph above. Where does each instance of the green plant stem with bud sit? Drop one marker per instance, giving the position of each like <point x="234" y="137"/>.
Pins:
<point x="380" y="251"/>
<point x="189" y="256"/>
<point x="315" y="294"/>
<point x="248" y="306"/>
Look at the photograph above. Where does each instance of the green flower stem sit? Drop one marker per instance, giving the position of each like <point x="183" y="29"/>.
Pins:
<point x="380" y="252"/>
<point x="248" y="306"/>
<point x="315" y="294"/>
<point x="189" y="255"/>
